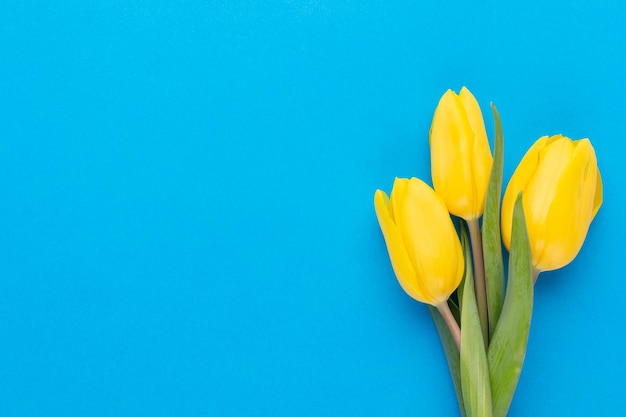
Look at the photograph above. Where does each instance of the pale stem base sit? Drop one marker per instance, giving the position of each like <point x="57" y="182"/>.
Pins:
<point x="536" y="273"/>
<point x="455" y="330"/>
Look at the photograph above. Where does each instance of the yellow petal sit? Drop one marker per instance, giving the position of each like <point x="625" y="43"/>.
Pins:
<point x="522" y="175"/>
<point x="597" y="201"/>
<point x="451" y="150"/>
<point x="481" y="159"/>
<point x="400" y="262"/>
<point x="554" y="158"/>
<point x="447" y="103"/>
<point x="460" y="155"/>
<point x="473" y="113"/>
<point x="430" y="239"/>
<point x="540" y="192"/>
<point x="570" y="210"/>
<point x="398" y="193"/>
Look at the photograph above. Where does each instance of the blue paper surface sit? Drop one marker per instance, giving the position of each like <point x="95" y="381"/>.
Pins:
<point x="186" y="202"/>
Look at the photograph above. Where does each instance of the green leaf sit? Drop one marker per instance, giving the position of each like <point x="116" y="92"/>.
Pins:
<point x="508" y="345"/>
<point x="474" y="369"/>
<point x="492" y="245"/>
<point x="451" y="352"/>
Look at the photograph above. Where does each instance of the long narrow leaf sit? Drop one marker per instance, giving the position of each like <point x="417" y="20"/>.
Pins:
<point x="474" y="369"/>
<point x="492" y="245"/>
<point x="452" y="354"/>
<point x="508" y="345"/>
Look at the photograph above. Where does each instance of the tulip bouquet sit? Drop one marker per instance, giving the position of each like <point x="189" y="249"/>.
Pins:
<point x="482" y="318"/>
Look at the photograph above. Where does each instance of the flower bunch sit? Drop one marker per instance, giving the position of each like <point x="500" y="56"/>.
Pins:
<point x="543" y="219"/>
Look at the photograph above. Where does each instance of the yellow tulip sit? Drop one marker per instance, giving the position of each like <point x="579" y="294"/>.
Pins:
<point x="460" y="155"/>
<point x="562" y="192"/>
<point x="423" y="246"/>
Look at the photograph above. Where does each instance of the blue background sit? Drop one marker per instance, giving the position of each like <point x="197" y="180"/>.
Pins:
<point x="186" y="202"/>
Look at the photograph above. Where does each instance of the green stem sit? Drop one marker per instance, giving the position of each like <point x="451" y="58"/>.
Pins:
<point x="479" y="277"/>
<point x="455" y="330"/>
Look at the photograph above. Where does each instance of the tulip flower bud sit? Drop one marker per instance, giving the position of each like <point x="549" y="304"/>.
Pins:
<point x="562" y="192"/>
<point x="460" y="156"/>
<point x="423" y="245"/>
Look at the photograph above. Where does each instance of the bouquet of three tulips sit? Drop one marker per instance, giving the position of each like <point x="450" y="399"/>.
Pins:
<point x="482" y="318"/>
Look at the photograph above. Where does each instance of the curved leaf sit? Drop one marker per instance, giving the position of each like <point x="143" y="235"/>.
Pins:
<point x="508" y="345"/>
<point x="474" y="369"/>
<point x="492" y="244"/>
